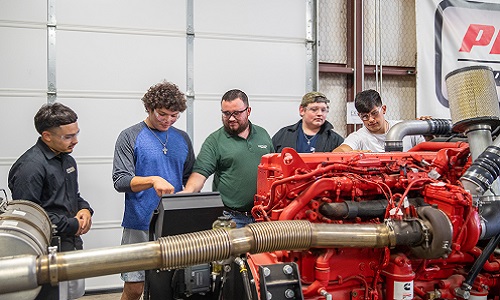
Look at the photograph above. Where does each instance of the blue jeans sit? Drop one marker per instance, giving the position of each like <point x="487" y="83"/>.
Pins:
<point x="240" y="219"/>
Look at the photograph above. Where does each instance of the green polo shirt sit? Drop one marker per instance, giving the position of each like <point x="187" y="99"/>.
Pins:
<point x="234" y="162"/>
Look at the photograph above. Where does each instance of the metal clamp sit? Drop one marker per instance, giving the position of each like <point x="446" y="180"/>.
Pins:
<point x="53" y="270"/>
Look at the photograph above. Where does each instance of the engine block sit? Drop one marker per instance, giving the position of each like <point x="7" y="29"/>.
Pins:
<point x="420" y="186"/>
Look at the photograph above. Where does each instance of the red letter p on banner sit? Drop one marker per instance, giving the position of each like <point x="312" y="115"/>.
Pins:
<point x="477" y="35"/>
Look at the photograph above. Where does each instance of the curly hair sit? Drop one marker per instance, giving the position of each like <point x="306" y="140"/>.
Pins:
<point x="53" y="115"/>
<point x="164" y="95"/>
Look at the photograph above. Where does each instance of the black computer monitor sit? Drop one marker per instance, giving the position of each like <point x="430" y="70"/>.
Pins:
<point x="178" y="214"/>
<point x="184" y="213"/>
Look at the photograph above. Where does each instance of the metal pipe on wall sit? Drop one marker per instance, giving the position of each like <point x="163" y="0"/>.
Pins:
<point x="190" y="95"/>
<point x="375" y="42"/>
<point x="51" y="51"/>
<point x="359" y="49"/>
<point x="378" y="47"/>
<point x="380" y="44"/>
<point x="311" y="45"/>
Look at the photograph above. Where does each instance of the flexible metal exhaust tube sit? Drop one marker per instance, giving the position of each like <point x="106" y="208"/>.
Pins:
<point x="213" y="245"/>
<point x="395" y="135"/>
<point x="192" y="248"/>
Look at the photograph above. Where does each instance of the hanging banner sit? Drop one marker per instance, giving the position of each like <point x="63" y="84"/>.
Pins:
<point x="452" y="34"/>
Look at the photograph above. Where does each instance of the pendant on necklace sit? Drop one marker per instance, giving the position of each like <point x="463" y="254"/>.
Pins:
<point x="308" y="142"/>
<point x="164" y="150"/>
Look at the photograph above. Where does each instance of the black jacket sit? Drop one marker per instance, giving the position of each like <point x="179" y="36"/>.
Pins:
<point x="328" y="139"/>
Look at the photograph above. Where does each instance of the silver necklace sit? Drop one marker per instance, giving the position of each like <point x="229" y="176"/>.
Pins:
<point x="165" y="150"/>
<point x="308" y="139"/>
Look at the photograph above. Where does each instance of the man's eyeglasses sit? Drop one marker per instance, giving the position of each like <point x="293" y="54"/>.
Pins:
<point x="68" y="137"/>
<point x="163" y="117"/>
<point x="373" y="114"/>
<point x="315" y="110"/>
<point x="235" y="114"/>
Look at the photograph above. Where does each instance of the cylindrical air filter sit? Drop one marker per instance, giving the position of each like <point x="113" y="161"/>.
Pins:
<point x="473" y="99"/>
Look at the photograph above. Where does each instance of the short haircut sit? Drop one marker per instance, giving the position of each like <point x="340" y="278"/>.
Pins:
<point x="53" y="115"/>
<point x="235" y="94"/>
<point x="313" y="97"/>
<point x="366" y="100"/>
<point x="164" y="95"/>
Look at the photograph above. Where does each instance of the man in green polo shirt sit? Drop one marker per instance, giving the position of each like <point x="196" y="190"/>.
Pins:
<point x="232" y="153"/>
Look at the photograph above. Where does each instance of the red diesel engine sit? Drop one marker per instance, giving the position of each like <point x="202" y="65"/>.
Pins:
<point x="433" y="252"/>
<point x="422" y="224"/>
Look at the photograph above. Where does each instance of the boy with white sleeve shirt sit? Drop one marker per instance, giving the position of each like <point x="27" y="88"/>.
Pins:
<point x="371" y="137"/>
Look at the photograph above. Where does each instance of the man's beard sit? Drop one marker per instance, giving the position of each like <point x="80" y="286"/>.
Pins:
<point x="242" y="127"/>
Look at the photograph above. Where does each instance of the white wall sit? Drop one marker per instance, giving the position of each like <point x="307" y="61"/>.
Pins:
<point x="110" y="52"/>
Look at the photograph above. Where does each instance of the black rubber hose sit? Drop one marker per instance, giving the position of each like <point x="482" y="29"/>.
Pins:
<point x="440" y="126"/>
<point x="351" y="209"/>
<point x="490" y="212"/>
<point x="485" y="169"/>
<point x="479" y="263"/>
